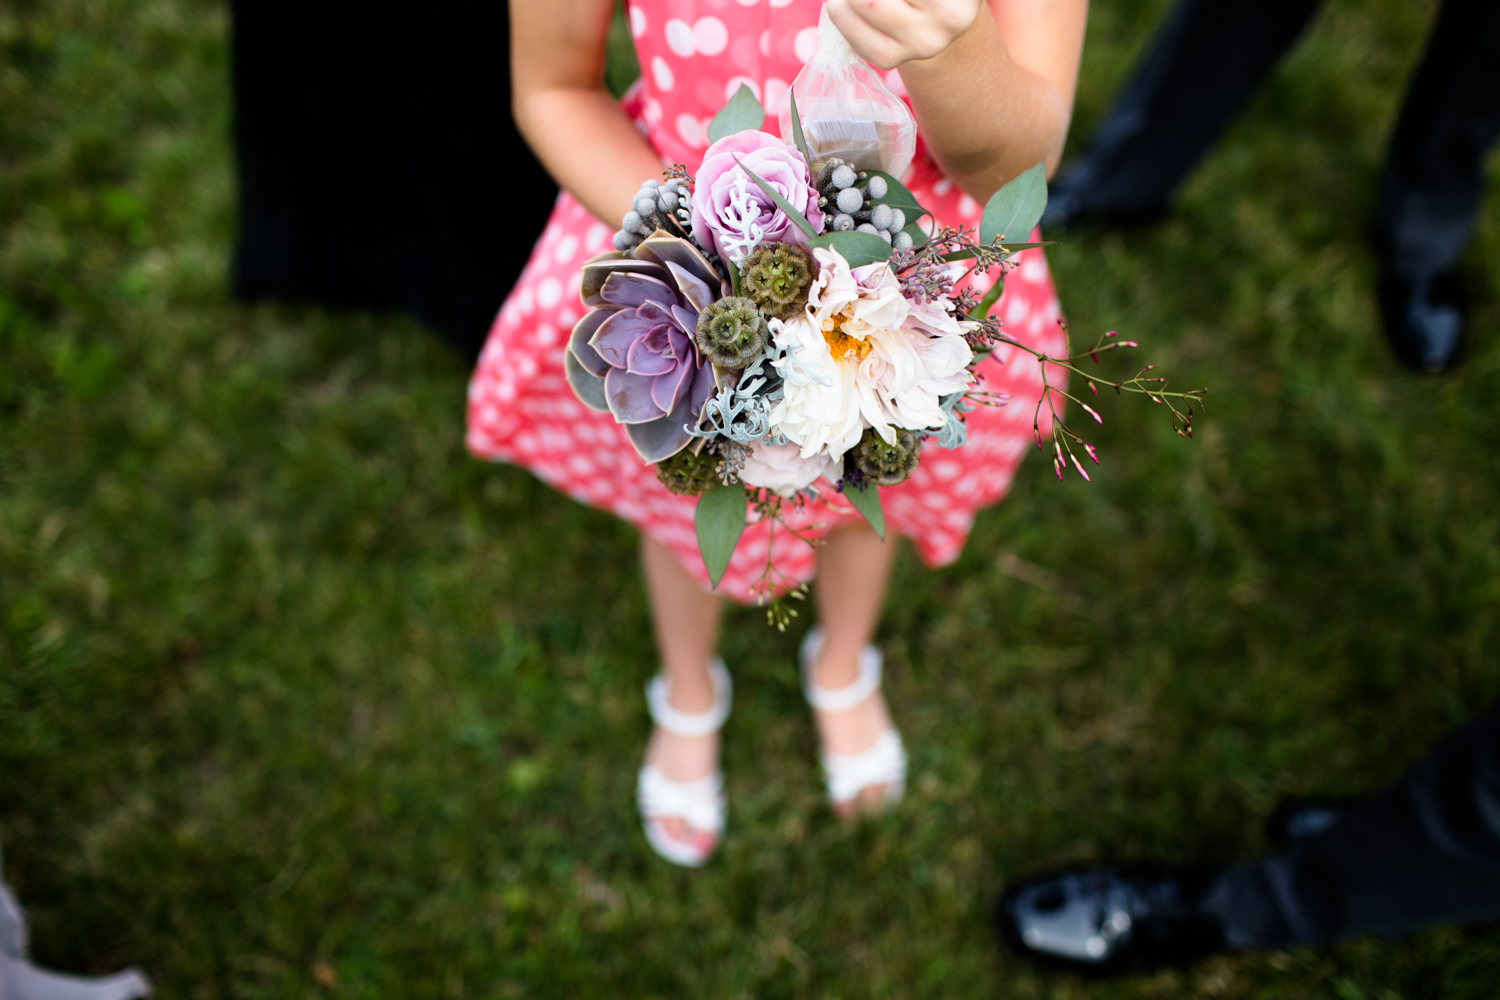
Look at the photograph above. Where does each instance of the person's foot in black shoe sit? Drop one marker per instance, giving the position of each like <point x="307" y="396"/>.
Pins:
<point x="1108" y="921"/>
<point x="1298" y="819"/>
<point x="1423" y="318"/>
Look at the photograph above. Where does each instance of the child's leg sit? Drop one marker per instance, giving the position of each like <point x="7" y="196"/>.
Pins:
<point x="686" y="619"/>
<point x="853" y="567"/>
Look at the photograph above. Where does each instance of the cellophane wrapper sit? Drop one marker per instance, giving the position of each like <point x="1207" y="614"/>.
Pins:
<point x="847" y="111"/>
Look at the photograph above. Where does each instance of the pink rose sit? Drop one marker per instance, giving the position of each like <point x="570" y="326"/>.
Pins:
<point x="731" y="214"/>
<point x="781" y="468"/>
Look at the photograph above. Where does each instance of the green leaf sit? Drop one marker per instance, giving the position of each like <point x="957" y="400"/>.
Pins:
<point x="721" y="519"/>
<point x="918" y="237"/>
<point x="866" y="500"/>
<point x="797" y="135"/>
<point x="856" y="247"/>
<point x="897" y="196"/>
<point x="1014" y="210"/>
<point x="741" y="113"/>
<point x="781" y="203"/>
<point x="1011" y="247"/>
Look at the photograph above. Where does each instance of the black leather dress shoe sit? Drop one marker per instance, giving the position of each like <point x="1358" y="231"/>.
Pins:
<point x="1107" y="921"/>
<point x="1423" y="319"/>
<point x="1073" y="199"/>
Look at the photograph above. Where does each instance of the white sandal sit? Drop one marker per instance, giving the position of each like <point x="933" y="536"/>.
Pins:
<point x="699" y="803"/>
<point x="884" y="762"/>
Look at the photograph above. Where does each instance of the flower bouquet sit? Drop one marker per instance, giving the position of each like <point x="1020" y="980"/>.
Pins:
<point x="779" y="327"/>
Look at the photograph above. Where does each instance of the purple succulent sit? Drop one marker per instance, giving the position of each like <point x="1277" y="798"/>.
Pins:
<point x="633" y="353"/>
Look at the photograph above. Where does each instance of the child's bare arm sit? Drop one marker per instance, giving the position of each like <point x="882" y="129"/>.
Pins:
<point x="575" y="128"/>
<point x="992" y="83"/>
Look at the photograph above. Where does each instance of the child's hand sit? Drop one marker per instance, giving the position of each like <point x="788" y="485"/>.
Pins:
<point x="890" y="32"/>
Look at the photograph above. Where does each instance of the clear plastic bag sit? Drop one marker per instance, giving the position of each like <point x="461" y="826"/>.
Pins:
<point x="847" y="110"/>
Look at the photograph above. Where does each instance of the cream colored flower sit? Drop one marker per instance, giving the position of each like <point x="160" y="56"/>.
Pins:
<point x="862" y="356"/>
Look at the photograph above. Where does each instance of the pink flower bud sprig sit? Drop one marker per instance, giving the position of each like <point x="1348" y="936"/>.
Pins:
<point x="1064" y="438"/>
<point x="767" y="504"/>
<point x="924" y="276"/>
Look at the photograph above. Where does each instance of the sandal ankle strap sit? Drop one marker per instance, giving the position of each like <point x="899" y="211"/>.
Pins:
<point x="692" y="723"/>
<point x="844" y="698"/>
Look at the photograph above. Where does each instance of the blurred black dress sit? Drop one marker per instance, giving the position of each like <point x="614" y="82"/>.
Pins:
<point x="379" y="165"/>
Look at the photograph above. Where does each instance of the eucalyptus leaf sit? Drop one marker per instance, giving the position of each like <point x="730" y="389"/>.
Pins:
<point x="866" y="500"/>
<point x="734" y="276"/>
<point x="720" y="518"/>
<point x="781" y="203"/>
<point x="743" y="112"/>
<point x="1009" y="247"/>
<point x="917" y="234"/>
<point x="797" y="135"/>
<point x="898" y="196"/>
<point x="855" y="247"/>
<point x="1014" y="210"/>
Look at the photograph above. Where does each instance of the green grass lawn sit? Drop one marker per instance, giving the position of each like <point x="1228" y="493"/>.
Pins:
<point x="296" y="699"/>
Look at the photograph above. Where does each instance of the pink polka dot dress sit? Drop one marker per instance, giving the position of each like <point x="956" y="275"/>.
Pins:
<point x="694" y="55"/>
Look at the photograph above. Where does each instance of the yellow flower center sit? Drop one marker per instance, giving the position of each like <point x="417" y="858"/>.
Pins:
<point x="840" y="344"/>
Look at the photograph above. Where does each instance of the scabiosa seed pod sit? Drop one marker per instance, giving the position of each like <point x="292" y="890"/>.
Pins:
<point x="732" y="332"/>
<point x="881" y="463"/>
<point x="687" y="474"/>
<point x="776" y="277"/>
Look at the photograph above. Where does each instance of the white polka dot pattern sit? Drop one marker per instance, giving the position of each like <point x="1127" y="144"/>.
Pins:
<point x="521" y="410"/>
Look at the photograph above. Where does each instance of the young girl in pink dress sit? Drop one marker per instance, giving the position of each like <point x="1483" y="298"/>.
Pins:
<point x="991" y="84"/>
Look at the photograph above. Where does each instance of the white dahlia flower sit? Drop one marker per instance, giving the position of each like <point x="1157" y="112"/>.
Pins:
<point x="860" y="356"/>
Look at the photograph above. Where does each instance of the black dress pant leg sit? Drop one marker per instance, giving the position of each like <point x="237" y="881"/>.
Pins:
<point x="1425" y="852"/>
<point x="1434" y="177"/>
<point x="1206" y="61"/>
